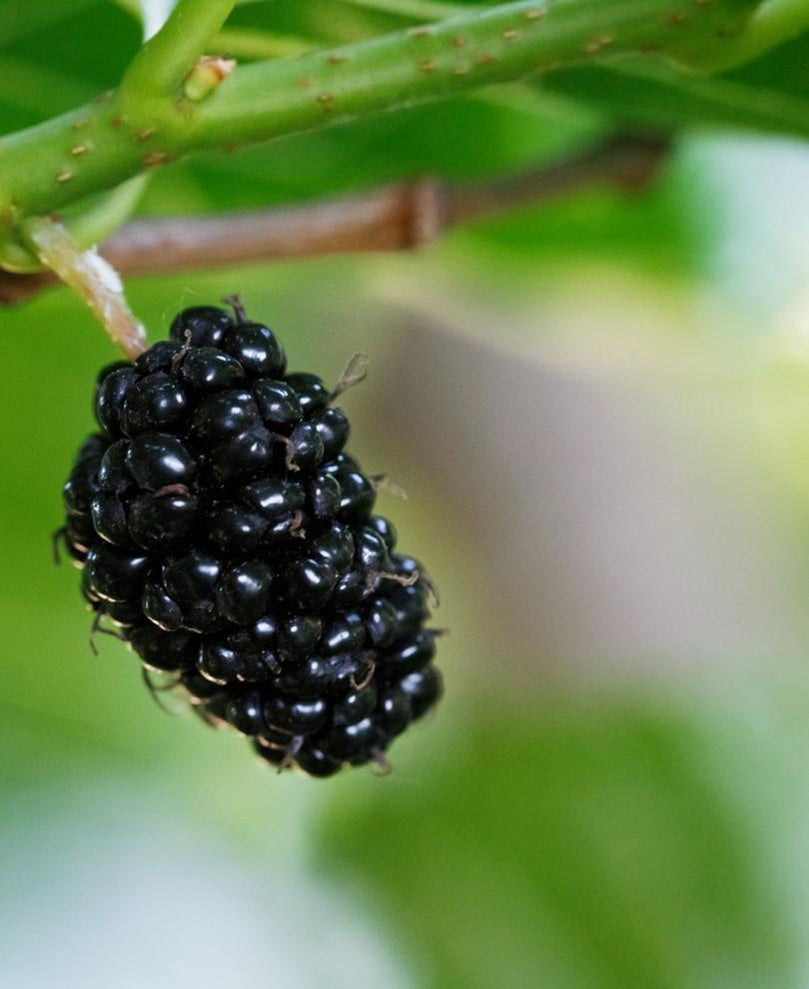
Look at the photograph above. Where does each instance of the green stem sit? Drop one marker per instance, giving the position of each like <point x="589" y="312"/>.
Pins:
<point x="500" y="43"/>
<point x="148" y="122"/>
<point x="164" y="61"/>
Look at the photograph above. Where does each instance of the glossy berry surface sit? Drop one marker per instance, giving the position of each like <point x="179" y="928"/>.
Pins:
<point x="225" y="533"/>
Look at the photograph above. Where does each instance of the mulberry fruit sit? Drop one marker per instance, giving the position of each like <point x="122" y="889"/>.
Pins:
<point x="224" y="532"/>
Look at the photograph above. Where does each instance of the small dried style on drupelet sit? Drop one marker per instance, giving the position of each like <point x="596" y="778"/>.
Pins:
<point x="225" y="533"/>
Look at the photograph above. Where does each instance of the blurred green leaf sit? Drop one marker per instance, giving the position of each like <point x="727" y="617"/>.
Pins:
<point x="325" y="21"/>
<point x="19" y="18"/>
<point x="413" y="9"/>
<point x="54" y="61"/>
<point x="643" y="91"/>
<point x="424" y="140"/>
<point x="584" y="848"/>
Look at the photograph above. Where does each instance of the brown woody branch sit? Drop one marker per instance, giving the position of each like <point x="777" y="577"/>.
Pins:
<point x="393" y="218"/>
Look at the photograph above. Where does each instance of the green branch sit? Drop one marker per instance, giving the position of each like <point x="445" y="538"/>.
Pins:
<point x="161" y="65"/>
<point x="500" y="43"/>
<point x="149" y="122"/>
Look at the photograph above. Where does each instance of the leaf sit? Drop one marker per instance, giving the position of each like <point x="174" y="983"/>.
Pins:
<point x="425" y="140"/>
<point x="324" y="21"/>
<point x="57" y="62"/>
<point x="41" y="90"/>
<point x="640" y="90"/>
<point x="584" y="849"/>
<point x="19" y="18"/>
<point x="427" y="10"/>
<point x="769" y="95"/>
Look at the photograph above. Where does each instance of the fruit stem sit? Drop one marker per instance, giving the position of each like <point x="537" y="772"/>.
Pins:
<point x="236" y="304"/>
<point x="92" y="277"/>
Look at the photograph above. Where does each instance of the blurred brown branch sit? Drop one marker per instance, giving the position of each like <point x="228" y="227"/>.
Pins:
<point x="396" y="217"/>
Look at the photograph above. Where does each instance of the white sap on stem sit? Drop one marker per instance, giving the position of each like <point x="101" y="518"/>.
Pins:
<point x="92" y="277"/>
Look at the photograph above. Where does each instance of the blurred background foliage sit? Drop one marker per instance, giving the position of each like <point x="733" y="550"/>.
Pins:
<point x="599" y="411"/>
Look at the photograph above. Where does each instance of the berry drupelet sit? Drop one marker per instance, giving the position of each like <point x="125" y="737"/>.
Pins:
<point x="226" y="534"/>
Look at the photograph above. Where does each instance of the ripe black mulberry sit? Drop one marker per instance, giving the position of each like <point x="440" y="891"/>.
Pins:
<point x="225" y="534"/>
